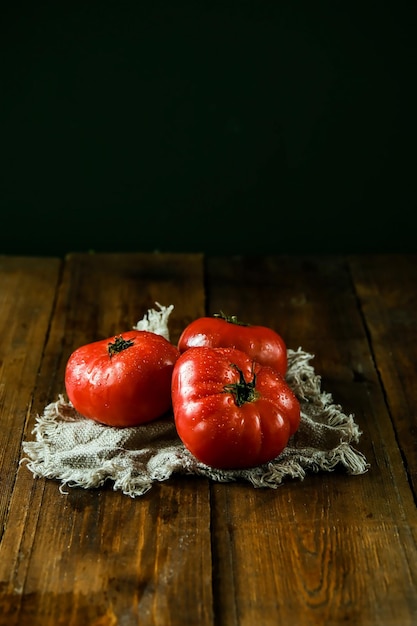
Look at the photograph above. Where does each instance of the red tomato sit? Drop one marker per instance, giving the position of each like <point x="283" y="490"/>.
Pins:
<point x="230" y="411"/>
<point x="124" y="380"/>
<point x="262" y="344"/>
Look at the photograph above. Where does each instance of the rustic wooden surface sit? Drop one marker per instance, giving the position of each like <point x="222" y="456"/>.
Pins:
<point x="329" y="550"/>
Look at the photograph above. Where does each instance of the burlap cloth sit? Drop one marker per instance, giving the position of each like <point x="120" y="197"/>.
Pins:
<point x="81" y="453"/>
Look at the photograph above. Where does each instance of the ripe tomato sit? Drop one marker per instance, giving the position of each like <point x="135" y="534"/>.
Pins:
<point x="261" y="343"/>
<point x="230" y="411"/>
<point x="124" y="380"/>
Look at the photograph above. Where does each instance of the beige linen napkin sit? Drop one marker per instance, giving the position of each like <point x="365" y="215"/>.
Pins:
<point x="79" y="452"/>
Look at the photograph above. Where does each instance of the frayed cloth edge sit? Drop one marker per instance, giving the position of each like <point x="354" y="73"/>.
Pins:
<point x="294" y="462"/>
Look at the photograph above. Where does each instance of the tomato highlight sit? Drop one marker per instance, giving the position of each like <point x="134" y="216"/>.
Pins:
<point x="230" y="411"/>
<point x="124" y="380"/>
<point x="261" y="343"/>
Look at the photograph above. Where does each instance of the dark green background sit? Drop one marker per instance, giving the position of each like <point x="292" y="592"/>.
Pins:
<point x="230" y="127"/>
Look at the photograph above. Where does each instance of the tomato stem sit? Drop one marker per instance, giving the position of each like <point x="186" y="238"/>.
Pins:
<point x="232" y="319"/>
<point x="118" y="345"/>
<point x="242" y="391"/>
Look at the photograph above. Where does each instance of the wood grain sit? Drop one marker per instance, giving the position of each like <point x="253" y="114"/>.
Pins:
<point x="27" y="294"/>
<point x="329" y="550"/>
<point x="387" y="290"/>
<point x="99" y="557"/>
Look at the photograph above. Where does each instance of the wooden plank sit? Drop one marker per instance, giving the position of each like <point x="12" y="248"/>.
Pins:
<point x="99" y="557"/>
<point x="334" y="548"/>
<point x="27" y="293"/>
<point x="328" y="550"/>
<point x="386" y="286"/>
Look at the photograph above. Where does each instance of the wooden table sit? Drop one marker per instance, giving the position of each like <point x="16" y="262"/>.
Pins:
<point x="332" y="549"/>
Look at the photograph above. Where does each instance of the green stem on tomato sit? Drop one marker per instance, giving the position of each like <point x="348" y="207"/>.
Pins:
<point x="118" y="345"/>
<point x="232" y="319"/>
<point x="242" y="391"/>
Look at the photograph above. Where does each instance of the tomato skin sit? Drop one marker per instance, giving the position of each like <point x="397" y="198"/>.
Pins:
<point x="130" y="387"/>
<point x="261" y="343"/>
<point x="210" y="423"/>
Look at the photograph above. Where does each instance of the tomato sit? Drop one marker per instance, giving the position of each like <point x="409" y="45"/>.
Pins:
<point x="124" y="380"/>
<point x="260" y="342"/>
<point x="229" y="410"/>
